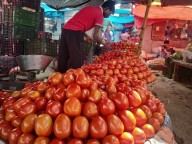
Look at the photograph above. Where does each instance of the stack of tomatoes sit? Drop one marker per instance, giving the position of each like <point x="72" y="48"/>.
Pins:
<point x="74" y="108"/>
<point x="124" y="45"/>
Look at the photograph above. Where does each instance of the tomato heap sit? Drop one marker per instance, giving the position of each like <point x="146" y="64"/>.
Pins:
<point x="123" y="45"/>
<point x="74" y="108"/>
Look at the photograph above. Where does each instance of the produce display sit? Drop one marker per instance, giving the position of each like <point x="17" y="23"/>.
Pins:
<point x="123" y="45"/>
<point x="157" y="61"/>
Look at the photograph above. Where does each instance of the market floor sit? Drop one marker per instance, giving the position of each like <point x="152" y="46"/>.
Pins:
<point x="177" y="98"/>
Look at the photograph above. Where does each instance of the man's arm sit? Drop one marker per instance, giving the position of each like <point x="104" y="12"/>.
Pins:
<point x="97" y="35"/>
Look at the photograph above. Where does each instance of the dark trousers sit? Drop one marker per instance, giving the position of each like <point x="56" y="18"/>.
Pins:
<point x="70" y="50"/>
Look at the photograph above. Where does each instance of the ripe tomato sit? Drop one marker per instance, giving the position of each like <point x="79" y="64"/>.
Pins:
<point x="49" y="92"/>
<point x="158" y="116"/>
<point x="28" y="123"/>
<point x="41" y="103"/>
<point x="62" y="126"/>
<point x="75" y="141"/>
<point x="54" y="108"/>
<point x="98" y="128"/>
<point x="33" y="95"/>
<point x="55" y="79"/>
<point x="9" y="114"/>
<point x="57" y="141"/>
<point x="42" y="87"/>
<point x="111" y="89"/>
<point x="141" y="93"/>
<point x="14" y="135"/>
<point x="161" y="109"/>
<point x="134" y="99"/>
<point x="84" y="94"/>
<point x="15" y="94"/>
<point x="140" y="116"/>
<point x="16" y="121"/>
<point x="72" y="107"/>
<point x="24" y="91"/>
<point x="8" y="102"/>
<point x="43" y="125"/>
<point x="121" y="101"/>
<point x="106" y="107"/>
<point x="93" y="141"/>
<point x="94" y="85"/>
<point x="149" y="130"/>
<point x="42" y="140"/>
<point x="110" y="139"/>
<point x="5" y="130"/>
<point x="80" y="127"/>
<point x="68" y="78"/>
<point x="90" y="110"/>
<point x="20" y="102"/>
<point x="126" y="138"/>
<point x="84" y="81"/>
<point x="59" y="94"/>
<point x="73" y="90"/>
<point x="128" y="119"/>
<point x="147" y="111"/>
<point x="114" y="124"/>
<point x="139" y="135"/>
<point x="155" y="123"/>
<point x="26" y="139"/>
<point x="95" y="96"/>
<point x="28" y="108"/>
<point x="152" y="105"/>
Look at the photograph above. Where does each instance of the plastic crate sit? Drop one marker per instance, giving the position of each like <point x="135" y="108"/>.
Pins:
<point x="7" y="63"/>
<point x="52" y="48"/>
<point x="7" y="30"/>
<point x="8" y="13"/>
<point x="33" y="4"/>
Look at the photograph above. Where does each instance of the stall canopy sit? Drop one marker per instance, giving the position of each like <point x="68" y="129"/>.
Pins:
<point x="176" y="2"/>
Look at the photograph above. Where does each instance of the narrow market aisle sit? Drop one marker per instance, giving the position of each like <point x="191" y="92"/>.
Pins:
<point x="177" y="98"/>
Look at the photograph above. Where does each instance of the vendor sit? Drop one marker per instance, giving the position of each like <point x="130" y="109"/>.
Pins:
<point x="70" y="50"/>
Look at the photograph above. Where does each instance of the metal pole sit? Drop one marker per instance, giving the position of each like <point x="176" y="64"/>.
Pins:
<point x="143" y="27"/>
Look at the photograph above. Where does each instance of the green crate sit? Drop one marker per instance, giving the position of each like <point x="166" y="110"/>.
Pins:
<point x="52" y="48"/>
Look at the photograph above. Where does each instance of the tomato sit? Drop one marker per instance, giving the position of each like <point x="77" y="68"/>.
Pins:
<point x="158" y="116"/>
<point x="26" y="139"/>
<point x="16" y="121"/>
<point x="80" y="127"/>
<point x="68" y="79"/>
<point x="9" y="114"/>
<point x="142" y="95"/>
<point x="161" y="109"/>
<point x="155" y="123"/>
<point x="62" y="126"/>
<point x="95" y="96"/>
<point x="2" y="112"/>
<point x="8" y="102"/>
<point x="33" y="94"/>
<point x="128" y="119"/>
<point x="36" y="84"/>
<point x="5" y="130"/>
<point x="78" y="71"/>
<point x="28" y="108"/>
<point x="43" y="125"/>
<point x="75" y="141"/>
<point x="111" y="89"/>
<point x="139" y="135"/>
<point x="40" y="103"/>
<point x="140" y="116"/>
<point x="20" y="102"/>
<point x="42" y="87"/>
<point x="94" y="85"/>
<point x="14" y="135"/>
<point x="72" y="107"/>
<point x="57" y="141"/>
<point x="84" y="81"/>
<point x="121" y="101"/>
<point x="54" y="108"/>
<point x="93" y="141"/>
<point x="59" y="94"/>
<point x="110" y="139"/>
<point x="98" y="128"/>
<point x="15" y="94"/>
<point x="152" y="105"/>
<point x="84" y="94"/>
<point x="73" y="90"/>
<point x="55" y="79"/>
<point x="90" y="110"/>
<point x="147" y="111"/>
<point x="106" y="107"/>
<point x="42" y="140"/>
<point x="49" y="92"/>
<point x="60" y="85"/>
<point x="28" y="123"/>
<point x="149" y="130"/>
<point x="134" y="99"/>
<point x="24" y="91"/>
<point x="114" y="124"/>
<point x="126" y="138"/>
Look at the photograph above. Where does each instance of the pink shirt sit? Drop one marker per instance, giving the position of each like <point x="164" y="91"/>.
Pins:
<point x="86" y="19"/>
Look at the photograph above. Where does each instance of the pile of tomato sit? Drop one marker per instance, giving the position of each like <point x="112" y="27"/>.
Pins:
<point x="124" y="45"/>
<point x="76" y="108"/>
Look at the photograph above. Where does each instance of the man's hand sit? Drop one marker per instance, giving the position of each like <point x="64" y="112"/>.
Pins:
<point x="106" y="48"/>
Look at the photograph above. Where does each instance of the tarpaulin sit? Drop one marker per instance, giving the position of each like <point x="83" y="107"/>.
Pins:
<point x="121" y="19"/>
<point x="176" y="2"/>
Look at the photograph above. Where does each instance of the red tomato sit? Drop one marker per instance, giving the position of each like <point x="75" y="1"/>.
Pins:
<point x="84" y="94"/>
<point x="126" y="138"/>
<point x="49" y="92"/>
<point x="41" y="103"/>
<point x="60" y="85"/>
<point x="42" y="87"/>
<point x="110" y="139"/>
<point x="57" y="141"/>
<point x="80" y="127"/>
<point x="111" y="89"/>
<point x="161" y="109"/>
<point x="128" y="119"/>
<point x="94" y="85"/>
<point x="15" y="94"/>
<point x="62" y="126"/>
<point x="68" y="79"/>
<point x="26" y="139"/>
<point x="84" y="81"/>
<point x="72" y="107"/>
<point x="142" y="95"/>
<point x="78" y="71"/>
<point x="121" y="101"/>
<point x="54" y="108"/>
<point x="155" y="123"/>
<point x="158" y="116"/>
<point x="16" y="121"/>
<point x="149" y="130"/>
<point x="106" y="107"/>
<point x="98" y="128"/>
<point x="28" y="123"/>
<point x="90" y="110"/>
<point x="95" y="96"/>
<point x="59" y="94"/>
<point x="33" y="94"/>
<point x="14" y="135"/>
<point x="75" y="141"/>
<point x="93" y="141"/>
<point x="43" y="125"/>
<point x="28" y="108"/>
<point x="73" y="90"/>
<point x="9" y="114"/>
<point x="20" y="102"/>
<point x="139" y="135"/>
<point x="147" y="111"/>
<point x="7" y="102"/>
<point x="134" y="99"/>
<point x="55" y="79"/>
<point x="24" y="91"/>
<point x="114" y="124"/>
<point x="140" y="116"/>
<point x="42" y="140"/>
<point x="5" y="130"/>
<point x="152" y="105"/>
